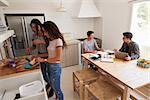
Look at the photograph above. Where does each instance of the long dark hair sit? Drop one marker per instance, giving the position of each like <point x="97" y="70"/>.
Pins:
<point x="36" y="22"/>
<point x="53" y="31"/>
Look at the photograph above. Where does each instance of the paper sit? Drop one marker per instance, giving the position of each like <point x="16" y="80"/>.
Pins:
<point x="109" y="60"/>
<point x="109" y="51"/>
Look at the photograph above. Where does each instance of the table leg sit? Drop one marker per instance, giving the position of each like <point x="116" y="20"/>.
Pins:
<point x="85" y="63"/>
<point x="126" y="93"/>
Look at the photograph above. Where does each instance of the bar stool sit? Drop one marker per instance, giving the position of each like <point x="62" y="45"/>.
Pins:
<point x="101" y="90"/>
<point x="81" y="78"/>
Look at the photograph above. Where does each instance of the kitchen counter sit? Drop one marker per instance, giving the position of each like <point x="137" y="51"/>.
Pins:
<point x="69" y="42"/>
<point x="9" y="71"/>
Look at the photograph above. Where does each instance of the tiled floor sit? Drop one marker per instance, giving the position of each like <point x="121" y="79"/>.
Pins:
<point x="66" y="83"/>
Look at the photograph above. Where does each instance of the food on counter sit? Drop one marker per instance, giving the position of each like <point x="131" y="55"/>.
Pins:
<point x="11" y="62"/>
<point x="3" y="63"/>
<point x="32" y="62"/>
<point x="143" y="63"/>
<point x="27" y="59"/>
<point x="20" y="62"/>
<point x="27" y="65"/>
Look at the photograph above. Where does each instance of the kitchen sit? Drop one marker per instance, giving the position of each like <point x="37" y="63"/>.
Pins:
<point x="74" y="21"/>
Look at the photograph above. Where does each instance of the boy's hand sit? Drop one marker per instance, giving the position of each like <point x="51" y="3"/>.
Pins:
<point x="127" y="58"/>
<point x="94" y="52"/>
<point x="115" y="50"/>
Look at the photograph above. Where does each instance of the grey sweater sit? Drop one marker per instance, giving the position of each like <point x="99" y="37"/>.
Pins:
<point x="132" y="49"/>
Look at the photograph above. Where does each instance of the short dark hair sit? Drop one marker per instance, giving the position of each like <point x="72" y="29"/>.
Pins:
<point x="128" y="35"/>
<point x="89" y="33"/>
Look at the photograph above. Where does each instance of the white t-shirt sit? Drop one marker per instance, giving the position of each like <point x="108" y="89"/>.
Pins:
<point x="52" y="48"/>
<point x="90" y="45"/>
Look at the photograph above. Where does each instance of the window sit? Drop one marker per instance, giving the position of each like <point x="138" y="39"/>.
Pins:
<point x="140" y="25"/>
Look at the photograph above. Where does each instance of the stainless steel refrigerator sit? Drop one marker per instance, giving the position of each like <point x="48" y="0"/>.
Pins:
<point x="23" y="33"/>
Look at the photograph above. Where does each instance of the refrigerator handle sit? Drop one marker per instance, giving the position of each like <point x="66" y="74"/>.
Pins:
<point x="24" y="32"/>
<point x="27" y="32"/>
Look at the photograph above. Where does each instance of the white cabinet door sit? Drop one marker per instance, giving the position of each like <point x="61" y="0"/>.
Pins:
<point x="12" y="84"/>
<point x="71" y="55"/>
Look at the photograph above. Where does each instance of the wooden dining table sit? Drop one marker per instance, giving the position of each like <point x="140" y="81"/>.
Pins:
<point x="126" y="73"/>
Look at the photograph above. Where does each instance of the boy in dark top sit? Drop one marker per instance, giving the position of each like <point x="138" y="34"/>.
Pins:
<point x="130" y="47"/>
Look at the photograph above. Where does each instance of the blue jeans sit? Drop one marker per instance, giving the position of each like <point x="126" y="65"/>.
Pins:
<point x="54" y="73"/>
<point x="44" y="66"/>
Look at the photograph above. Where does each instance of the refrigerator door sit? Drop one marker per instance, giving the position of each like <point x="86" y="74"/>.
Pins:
<point x="23" y="32"/>
<point x="29" y="31"/>
<point x="19" y="41"/>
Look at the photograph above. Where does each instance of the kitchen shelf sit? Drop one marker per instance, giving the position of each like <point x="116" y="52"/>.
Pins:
<point x="4" y="3"/>
<point x="4" y="35"/>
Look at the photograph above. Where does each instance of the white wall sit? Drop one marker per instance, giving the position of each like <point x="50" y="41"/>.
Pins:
<point x="66" y="21"/>
<point x="98" y="22"/>
<point x="115" y="20"/>
<point x="115" y="17"/>
<point x="98" y="27"/>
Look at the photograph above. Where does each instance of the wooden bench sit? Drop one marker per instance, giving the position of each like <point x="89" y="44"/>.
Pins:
<point x="81" y="78"/>
<point x="101" y="90"/>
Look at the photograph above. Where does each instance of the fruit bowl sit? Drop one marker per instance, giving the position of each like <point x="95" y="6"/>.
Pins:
<point x="143" y="63"/>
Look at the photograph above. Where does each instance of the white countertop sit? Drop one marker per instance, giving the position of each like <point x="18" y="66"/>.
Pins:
<point x="4" y="35"/>
<point x="74" y="41"/>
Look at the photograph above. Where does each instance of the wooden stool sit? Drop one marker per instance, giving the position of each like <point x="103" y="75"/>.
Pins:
<point x="142" y="93"/>
<point x="101" y="90"/>
<point x="82" y="77"/>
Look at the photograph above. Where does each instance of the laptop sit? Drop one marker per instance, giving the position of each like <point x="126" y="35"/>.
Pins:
<point x="121" y="55"/>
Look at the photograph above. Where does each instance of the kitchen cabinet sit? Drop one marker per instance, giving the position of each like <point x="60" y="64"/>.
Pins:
<point x="12" y="83"/>
<point x="71" y="54"/>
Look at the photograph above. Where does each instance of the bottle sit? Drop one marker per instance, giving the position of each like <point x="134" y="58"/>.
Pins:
<point x="11" y="62"/>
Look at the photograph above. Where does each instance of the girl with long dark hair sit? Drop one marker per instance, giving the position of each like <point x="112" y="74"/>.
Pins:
<point x="56" y="43"/>
<point x="39" y="44"/>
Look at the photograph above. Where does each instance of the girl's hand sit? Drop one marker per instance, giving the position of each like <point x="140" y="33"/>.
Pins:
<point x="34" y="56"/>
<point x="27" y="50"/>
<point x="40" y="59"/>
